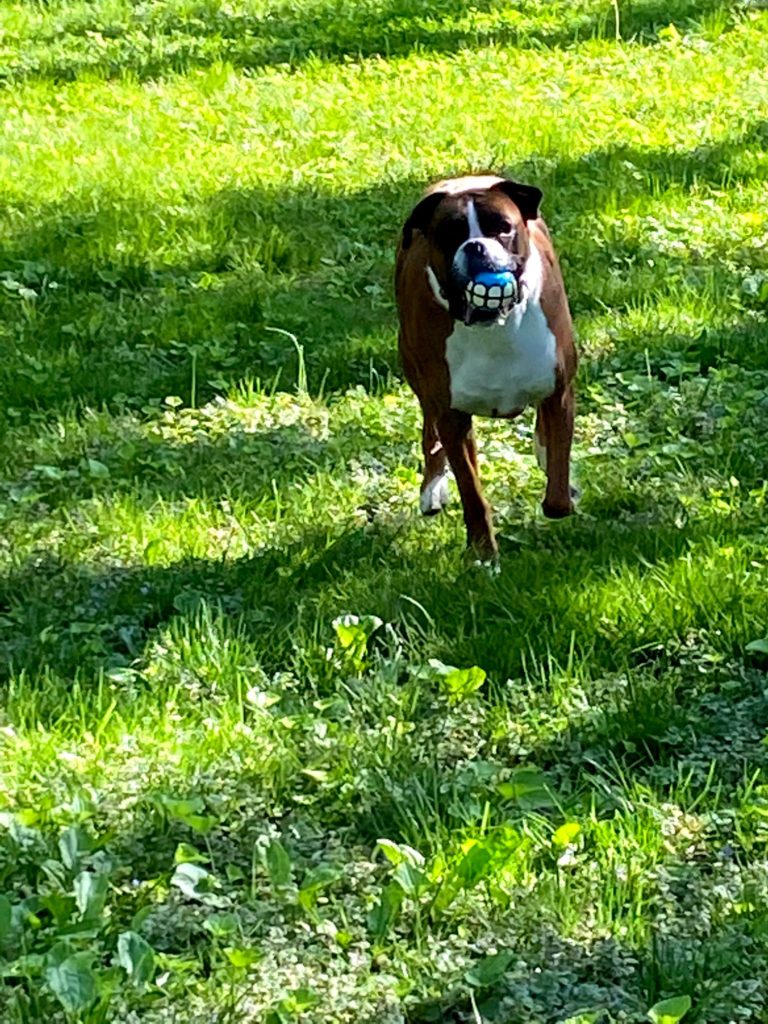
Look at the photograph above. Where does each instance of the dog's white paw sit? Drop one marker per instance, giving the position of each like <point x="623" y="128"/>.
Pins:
<point x="490" y="566"/>
<point x="434" y="497"/>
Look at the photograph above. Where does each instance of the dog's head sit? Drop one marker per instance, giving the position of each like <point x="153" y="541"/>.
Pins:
<point x="478" y="244"/>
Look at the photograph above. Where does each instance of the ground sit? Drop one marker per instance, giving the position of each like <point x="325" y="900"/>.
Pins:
<point x="271" y="748"/>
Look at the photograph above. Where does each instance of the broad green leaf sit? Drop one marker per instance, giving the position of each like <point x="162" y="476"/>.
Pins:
<point x="27" y="817"/>
<point x="383" y="916"/>
<point x="313" y="882"/>
<point x="242" y="957"/>
<point x="488" y="970"/>
<point x="279" y="864"/>
<point x="192" y="880"/>
<point x="91" y="893"/>
<point x="73" y="982"/>
<point x="349" y="628"/>
<point x="122" y="674"/>
<point x="320" y="877"/>
<point x="82" y="806"/>
<point x="473" y="865"/>
<point x="58" y="953"/>
<point x="50" y="472"/>
<point x="188" y="602"/>
<point x="352" y="635"/>
<point x="670" y="1011"/>
<point x="32" y="965"/>
<point x="176" y="807"/>
<point x="73" y="842"/>
<point x="669" y="34"/>
<point x="202" y="823"/>
<point x="188" y="854"/>
<point x="399" y="853"/>
<point x="234" y="873"/>
<point x="189" y="812"/>
<point x="462" y="683"/>
<point x="438" y="669"/>
<point x="221" y="925"/>
<point x="528" y="788"/>
<point x="758" y="646"/>
<point x="584" y="1017"/>
<point x="299" y="1001"/>
<point x="566" y="834"/>
<point x="98" y="469"/>
<point x="136" y="957"/>
<point x="410" y="878"/>
<point x="60" y="906"/>
<point x="141" y="916"/>
<point x="348" y="635"/>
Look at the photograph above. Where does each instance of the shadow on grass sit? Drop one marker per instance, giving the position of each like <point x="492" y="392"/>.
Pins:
<point x="164" y="41"/>
<point x="282" y="598"/>
<point x="116" y="325"/>
<point x="554" y="980"/>
<point x="285" y="597"/>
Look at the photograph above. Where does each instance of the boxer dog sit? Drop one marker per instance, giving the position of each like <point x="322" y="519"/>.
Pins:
<point x="485" y="330"/>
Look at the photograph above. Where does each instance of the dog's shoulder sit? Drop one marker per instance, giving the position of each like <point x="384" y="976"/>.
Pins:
<point x="554" y="300"/>
<point x="538" y="232"/>
<point x="411" y="264"/>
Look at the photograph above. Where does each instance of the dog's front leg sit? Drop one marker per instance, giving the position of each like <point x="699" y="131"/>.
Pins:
<point x="455" y="431"/>
<point x="554" y="434"/>
<point x="434" y="486"/>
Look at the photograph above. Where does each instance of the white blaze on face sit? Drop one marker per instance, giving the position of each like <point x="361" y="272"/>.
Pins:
<point x="474" y="223"/>
<point x="495" y="251"/>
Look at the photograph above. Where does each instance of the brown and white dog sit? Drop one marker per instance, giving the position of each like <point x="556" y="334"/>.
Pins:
<point x="489" y="351"/>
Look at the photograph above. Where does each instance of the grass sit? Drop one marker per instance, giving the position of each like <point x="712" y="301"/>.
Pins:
<point x="537" y="796"/>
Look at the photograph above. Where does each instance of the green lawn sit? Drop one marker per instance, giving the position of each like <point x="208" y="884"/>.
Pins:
<point x="538" y="796"/>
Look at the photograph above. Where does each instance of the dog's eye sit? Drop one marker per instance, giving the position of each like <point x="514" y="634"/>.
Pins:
<point x="499" y="227"/>
<point x="451" y="233"/>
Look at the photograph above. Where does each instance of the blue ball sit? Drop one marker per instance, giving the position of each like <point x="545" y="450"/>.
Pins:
<point x="494" y="277"/>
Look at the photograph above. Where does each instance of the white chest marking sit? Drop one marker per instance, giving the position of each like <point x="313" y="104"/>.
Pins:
<point x="501" y="368"/>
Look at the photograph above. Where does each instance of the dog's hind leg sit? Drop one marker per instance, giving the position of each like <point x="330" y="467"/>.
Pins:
<point x="553" y="436"/>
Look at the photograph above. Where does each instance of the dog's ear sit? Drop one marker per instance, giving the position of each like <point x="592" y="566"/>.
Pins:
<point x="421" y="216"/>
<point x="525" y="197"/>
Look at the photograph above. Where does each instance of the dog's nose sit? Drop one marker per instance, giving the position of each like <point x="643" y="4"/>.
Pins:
<point x="476" y="249"/>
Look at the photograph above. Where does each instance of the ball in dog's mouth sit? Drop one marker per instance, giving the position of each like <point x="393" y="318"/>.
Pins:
<point x="492" y="291"/>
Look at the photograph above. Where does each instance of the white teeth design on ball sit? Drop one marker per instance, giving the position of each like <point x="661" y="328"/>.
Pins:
<point x="482" y="297"/>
